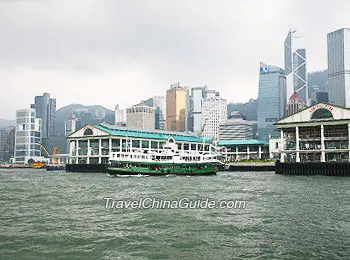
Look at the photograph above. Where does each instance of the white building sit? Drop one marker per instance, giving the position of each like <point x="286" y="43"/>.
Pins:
<point x="28" y="136"/>
<point x="320" y="133"/>
<point x="236" y="128"/>
<point x="198" y="94"/>
<point x="338" y="44"/>
<point x="93" y="144"/>
<point x="214" y="112"/>
<point x="120" y="116"/>
<point x="141" y="116"/>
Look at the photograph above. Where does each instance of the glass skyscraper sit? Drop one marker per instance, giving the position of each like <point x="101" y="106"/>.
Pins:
<point x="338" y="44"/>
<point x="271" y="99"/>
<point x="295" y="70"/>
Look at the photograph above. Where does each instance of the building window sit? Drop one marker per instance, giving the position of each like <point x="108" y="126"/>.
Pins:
<point x="88" y="132"/>
<point x="322" y="113"/>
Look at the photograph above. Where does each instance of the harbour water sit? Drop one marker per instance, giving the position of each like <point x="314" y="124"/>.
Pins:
<point x="51" y="215"/>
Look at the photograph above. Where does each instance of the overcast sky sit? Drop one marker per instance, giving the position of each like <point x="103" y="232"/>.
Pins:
<point x="120" y="52"/>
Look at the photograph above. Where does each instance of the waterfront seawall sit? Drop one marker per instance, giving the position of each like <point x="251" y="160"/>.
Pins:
<point x="314" y="168"/>
<point x="249" y="167"/>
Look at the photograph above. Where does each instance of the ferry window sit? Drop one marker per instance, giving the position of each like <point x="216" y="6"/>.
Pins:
<point x="115" y="142"/>
<point x="161" y="144"/>
<point x="145" y="144"/>
<point x="135" y="143"/>
<point x="186" y="146"/>
<point x="154" y="145"/>
<point x="193" y="147"/>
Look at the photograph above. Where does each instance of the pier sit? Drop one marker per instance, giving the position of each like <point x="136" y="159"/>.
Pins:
<point x="314" y="168"/>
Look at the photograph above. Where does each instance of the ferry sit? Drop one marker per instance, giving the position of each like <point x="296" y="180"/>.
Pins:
<point x="168" y="161"/>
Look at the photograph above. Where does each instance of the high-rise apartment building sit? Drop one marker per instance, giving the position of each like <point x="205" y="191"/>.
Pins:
<point x="295" y="70"/>
<point x="45" y="108"/>
<point x="214" y="112"/>
<point x="338" y="45"/>
<point x="140" y="116"/>
<point x="28" y="136"/>
<point x="176" y="103"/>
<point x="271" y="99"/>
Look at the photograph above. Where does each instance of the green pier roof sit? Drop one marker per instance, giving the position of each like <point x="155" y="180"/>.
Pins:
<point x="151" y="134"/>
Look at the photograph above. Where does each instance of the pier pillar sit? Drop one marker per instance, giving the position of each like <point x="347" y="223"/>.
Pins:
<point x="248" y="152"/>
<point x="88" y="152"/>
<point x="349" y="141"/>
<point x="323" y="155"/>
<point x="282" y="146"/>
<point x="259" y="151"/>
<point x="110" y="146"/>
<point x="77" y="153"/>
<point x="99" y="151"/>
<point x="297" y="148"/>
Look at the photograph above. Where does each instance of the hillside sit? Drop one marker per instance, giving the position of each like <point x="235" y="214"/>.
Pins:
<point x="94" y="114"/>
<point x="5" y="123"/>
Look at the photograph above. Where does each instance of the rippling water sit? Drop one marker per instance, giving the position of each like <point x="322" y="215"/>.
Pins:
<point x="48" y="215"/>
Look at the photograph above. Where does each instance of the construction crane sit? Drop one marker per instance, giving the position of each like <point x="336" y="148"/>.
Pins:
<point x="56" y="151"/>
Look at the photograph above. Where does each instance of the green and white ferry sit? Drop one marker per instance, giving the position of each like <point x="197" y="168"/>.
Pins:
<point x="168" y="161"/>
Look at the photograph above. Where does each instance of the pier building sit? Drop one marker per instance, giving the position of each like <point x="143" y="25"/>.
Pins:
<point x="320" y="133"/>
<point x="250" y="149"/>
<point x="92" y="144"/>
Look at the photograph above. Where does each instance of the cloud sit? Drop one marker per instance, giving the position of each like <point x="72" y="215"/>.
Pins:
<point x="109" y="52"/>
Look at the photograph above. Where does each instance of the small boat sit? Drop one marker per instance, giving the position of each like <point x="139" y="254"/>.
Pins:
<point x="168" y="161"/>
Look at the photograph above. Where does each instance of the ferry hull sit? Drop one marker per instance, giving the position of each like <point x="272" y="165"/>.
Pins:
<point x="123" y="171"/>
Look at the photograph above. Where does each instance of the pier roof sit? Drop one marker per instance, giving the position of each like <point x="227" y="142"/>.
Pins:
<point x="140" y="133"/>
<point x="242" y="142"/>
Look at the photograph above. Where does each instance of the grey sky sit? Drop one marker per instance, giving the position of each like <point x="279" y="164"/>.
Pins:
<point x="121" y="52"/>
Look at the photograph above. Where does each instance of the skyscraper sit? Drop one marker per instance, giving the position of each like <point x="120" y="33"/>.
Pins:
<point x="159" y="103"/>
<point x="176" y="108"/>
<point x="28" y="136"/>
<point x="120" y="116"/>
<point x="271" y="99"/>
<point x="214" y="112"/>
<point x="295" y="70"/>
<point x="45" y="108"/>
<point x="7" y="143"/>
<point x="338" y="45"/>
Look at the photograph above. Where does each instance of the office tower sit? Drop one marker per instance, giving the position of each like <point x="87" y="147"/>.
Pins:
<point x="159" y="103"/>
<point x="295" y="70"/>
<point x="7" y="143"/>
<point x="214" y="112"/>
<point x="338" y="45"/>
<point x="194" y="115"/>
<point x="140" y="116"/>
<point x="70" y="126"/>
<point x="176" y="108"/>
<point x="45" y="108"/>
<point x="120" y="116"/>
<point x="28" y="136"/>
<point x="318" y="97"/>
<point x="271" y="99"/>
<point x="236" y="129"/>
